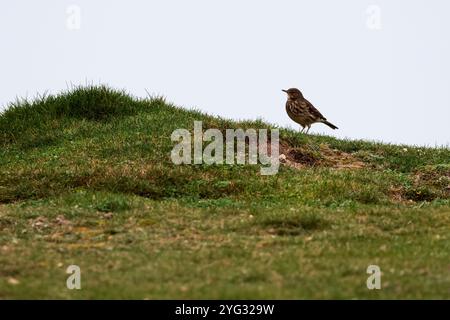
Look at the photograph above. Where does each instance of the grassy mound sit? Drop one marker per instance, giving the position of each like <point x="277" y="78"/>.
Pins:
<point x="86" y="178"/>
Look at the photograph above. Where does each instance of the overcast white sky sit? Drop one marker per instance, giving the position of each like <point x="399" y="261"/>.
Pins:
<point x="379" y="70"/>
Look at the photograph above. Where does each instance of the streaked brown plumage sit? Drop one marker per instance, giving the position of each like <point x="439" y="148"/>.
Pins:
<point x="302" y="111"/>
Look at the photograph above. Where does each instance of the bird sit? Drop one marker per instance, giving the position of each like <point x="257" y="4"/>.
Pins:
<point x="303" y="112"/>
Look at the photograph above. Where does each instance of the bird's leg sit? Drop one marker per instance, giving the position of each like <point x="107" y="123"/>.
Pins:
<point x="303" y="128"/>
<point x="309" y="127"/>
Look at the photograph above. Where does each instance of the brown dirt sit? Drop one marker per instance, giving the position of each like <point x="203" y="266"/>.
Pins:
<point x="302" y="157"/>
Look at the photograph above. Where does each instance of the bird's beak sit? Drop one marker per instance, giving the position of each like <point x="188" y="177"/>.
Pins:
<point x="284" y="90"/>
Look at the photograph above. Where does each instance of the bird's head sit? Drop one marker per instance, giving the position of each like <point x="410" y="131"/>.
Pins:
<point x="293" y="93"/>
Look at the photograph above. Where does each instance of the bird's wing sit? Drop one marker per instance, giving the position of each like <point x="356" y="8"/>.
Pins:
<point x="298" y="107"/>
<point x="313" y="111"/>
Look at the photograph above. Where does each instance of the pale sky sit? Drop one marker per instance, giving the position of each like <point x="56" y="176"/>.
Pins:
<point x="379" y="70"/>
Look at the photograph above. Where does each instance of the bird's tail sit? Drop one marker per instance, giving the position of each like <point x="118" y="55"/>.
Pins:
<point x="332" y="126"/>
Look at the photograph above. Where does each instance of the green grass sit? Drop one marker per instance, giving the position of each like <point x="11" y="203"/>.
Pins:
<point x="86" y="179"/>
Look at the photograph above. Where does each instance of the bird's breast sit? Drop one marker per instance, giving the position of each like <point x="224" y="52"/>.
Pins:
<point x="297" y="114"/>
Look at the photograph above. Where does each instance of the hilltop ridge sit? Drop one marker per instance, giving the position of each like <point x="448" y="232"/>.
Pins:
<point x="108" y="127"/>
